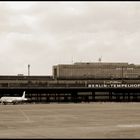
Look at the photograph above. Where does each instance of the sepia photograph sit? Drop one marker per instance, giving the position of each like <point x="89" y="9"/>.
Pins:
<point x="69" y="69"/>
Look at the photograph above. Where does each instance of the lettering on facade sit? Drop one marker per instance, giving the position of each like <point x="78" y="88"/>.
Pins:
<point x="114" y="85"/>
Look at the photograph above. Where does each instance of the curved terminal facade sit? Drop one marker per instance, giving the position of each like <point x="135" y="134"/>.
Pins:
<point x="78" y="82"/>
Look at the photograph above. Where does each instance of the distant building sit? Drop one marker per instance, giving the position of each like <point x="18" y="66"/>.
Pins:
<point x="20" y="74"/>
<point x="96" y="70"/>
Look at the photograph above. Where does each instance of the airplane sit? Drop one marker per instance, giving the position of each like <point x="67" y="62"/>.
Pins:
<point x="14" y="100"/>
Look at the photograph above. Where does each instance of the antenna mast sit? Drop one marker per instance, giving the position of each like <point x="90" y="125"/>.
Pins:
<point x="100" y="59"/>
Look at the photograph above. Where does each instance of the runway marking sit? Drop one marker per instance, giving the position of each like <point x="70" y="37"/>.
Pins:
<point x="24" y="114"/>
<point x="129" y="125"/>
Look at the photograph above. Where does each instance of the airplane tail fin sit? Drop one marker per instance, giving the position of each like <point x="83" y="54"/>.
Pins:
<point x="23" y="96"/>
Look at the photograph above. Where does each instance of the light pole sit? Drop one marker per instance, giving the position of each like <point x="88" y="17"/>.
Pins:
<point x="28" y="74"/>
<point x="28" y="70"/>
<point x="122" y="73"/>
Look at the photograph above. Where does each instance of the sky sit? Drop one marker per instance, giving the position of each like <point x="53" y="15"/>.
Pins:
<point x="44" y="34"/>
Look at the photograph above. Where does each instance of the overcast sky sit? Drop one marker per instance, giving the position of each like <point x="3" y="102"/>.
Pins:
<point x="44" y="34"/>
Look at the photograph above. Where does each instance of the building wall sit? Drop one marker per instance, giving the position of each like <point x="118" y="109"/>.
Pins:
<point x="96" y="70"/>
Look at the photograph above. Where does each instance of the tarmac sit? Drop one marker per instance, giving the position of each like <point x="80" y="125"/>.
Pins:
<point x="70" y="120"/>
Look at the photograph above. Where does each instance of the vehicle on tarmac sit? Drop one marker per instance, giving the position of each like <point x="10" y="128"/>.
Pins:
<point x="14" y="100"/>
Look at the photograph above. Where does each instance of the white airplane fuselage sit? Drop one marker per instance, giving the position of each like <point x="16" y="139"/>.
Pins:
<point x="13" y="100"/>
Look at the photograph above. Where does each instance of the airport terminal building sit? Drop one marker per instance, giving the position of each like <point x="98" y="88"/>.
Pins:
<point x="78" y="82"/>
<point x="96" y="70"/>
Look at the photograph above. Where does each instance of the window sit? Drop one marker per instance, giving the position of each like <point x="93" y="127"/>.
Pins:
<point x="118" y="68"/>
